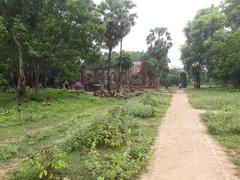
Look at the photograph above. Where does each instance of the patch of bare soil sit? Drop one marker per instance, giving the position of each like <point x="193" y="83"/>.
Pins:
<point x="184" y="151"/>
<point x="8" y="166"/>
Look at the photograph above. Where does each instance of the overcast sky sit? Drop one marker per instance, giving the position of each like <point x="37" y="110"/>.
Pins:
<point x="173" y="14"/>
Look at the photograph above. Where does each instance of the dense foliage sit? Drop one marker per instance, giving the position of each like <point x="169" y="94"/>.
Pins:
<point x="212" y="43"/>
<point x="44" y="43"/>
<point x="46" y="40"/>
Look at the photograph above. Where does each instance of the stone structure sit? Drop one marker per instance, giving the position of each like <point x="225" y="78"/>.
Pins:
<point x="142" y="75"/>
<point x="139" y="75"/>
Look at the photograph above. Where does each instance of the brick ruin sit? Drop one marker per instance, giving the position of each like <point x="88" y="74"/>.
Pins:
<point x="139" y="75"/>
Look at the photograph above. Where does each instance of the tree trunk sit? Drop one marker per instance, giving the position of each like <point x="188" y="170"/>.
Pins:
<point x="197" y="81"/>
<point x="157" y="78"/>
<point x="45" y="74"/>
<point x="109" y="83"/>
<point x="36" y="77"/>
<point x="120" y="68"/>
<point x="21" y="91"/>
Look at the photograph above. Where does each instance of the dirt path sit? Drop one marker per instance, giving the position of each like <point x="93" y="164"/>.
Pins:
<point x="184" y="151"/>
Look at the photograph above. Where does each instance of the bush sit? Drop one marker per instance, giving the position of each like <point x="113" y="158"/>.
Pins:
<point x="43" y="165"/>
<point x="7" y="151"/>
<point x="111" y="130"/>
<point x="122" y="164"/>
<point x="140" y="110"/>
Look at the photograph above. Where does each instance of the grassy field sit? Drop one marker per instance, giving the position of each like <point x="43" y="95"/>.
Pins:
<point x="62" y="119"/>
<point x="223" y="116"/>
<point x="33" y="124"/>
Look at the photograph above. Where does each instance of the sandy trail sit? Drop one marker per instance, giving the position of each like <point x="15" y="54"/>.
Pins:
<point x="184" y="151"/>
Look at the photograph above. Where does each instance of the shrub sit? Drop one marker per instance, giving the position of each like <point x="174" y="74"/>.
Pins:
<point x="43" y="165"/>
<point x="122" y="164"/>
<point x="111" y="130"/>
<point x="7" y="151"/>
<point x="140" y="110"/>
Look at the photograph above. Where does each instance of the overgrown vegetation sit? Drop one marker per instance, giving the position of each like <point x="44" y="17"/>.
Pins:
<point x="117" y="144"/>
<point x="43" y="121"/>
<point x="111" y="130"/>
<point x="105" y="143"/>
<point x="140" y="110"/>
<point x="223" y="118"/>
<point x="42" y="165"/>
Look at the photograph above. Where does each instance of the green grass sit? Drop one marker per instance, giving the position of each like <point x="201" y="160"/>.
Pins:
<point x="223" y="116"/>
<point x="226" y="99"/>
<point x="33" y="126"/>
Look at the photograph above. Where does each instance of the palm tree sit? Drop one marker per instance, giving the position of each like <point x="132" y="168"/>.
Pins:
<point x="127" y="20"/>
<point x="159" y="42"/>
<point x="109" y="10"/>
<point x="118" y="20"/>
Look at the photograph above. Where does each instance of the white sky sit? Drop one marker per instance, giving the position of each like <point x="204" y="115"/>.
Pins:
<point x="173" y="14"/>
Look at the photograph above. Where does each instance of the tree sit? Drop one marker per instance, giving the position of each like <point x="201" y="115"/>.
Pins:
<point x="231" y="9"/>
<point x="50" y="39"/>
<point x="126" y="21"/>
<point x="126" y="60"/>
<point x="3" y="65"/>
<point x="11" y="12"/>
<point x="223" y="55"/>
<point x="202" y="27"/>
<point x="223" y="47"/>
<point x="159" y="42"/>
<point x="118" y="20"/>
<point x="109" y="10"/>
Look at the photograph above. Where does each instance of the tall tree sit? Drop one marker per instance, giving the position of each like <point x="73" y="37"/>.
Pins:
<point x="12" y="11"/>
<point x="159" y="42"/>
<point x="118" y="21"/>
<point x="4" y="61"/>
<point x="202" y="27"/>
<point x="126" y="21"/>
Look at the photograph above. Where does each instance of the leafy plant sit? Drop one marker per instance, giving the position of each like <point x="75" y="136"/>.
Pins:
<point x="111" y="130"/>
<point x="43" y="165"/>
<point x="123" y="164"/>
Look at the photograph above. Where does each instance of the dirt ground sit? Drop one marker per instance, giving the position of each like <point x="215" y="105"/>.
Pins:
<point x="184" y="151"/>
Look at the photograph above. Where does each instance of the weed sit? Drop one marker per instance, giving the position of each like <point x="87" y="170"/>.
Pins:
<point x="148" y="100"/>
<point x="7" y="151"/>
<point x="43" y="165"/>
